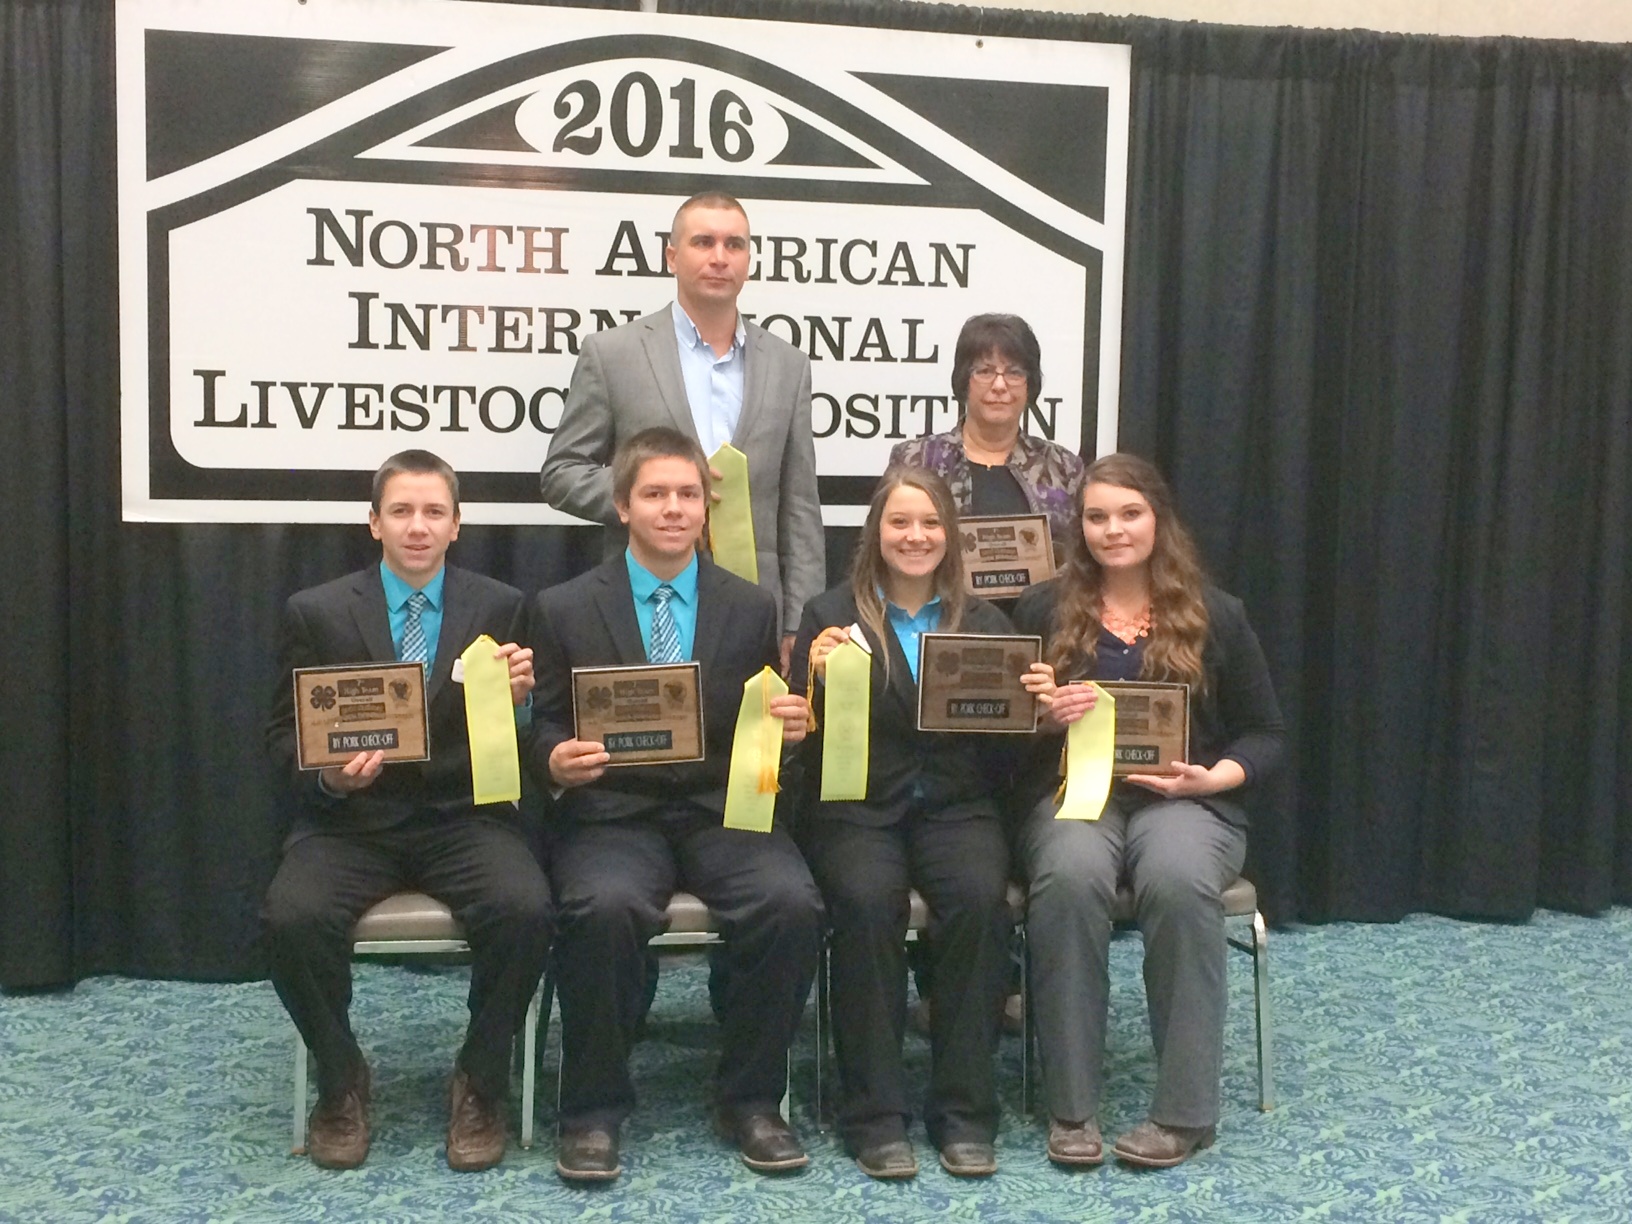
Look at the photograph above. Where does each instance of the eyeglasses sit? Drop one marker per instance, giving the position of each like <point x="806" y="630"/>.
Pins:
<point x="988" y="373"/>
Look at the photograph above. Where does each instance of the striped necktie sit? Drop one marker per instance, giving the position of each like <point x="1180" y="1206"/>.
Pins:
<point x="665" y="634"/>
<point x="414" y="647"/>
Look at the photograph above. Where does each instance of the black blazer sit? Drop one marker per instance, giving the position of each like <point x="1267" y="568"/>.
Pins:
<point x="1234" y="715"/>
<point x="345" y="621"/>
<point x="590" y="622"/>
<point x="961" y="774"/>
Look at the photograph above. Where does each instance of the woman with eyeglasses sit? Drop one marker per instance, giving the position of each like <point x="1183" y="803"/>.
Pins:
<point x="994" y="467"/>
<point x="1132" y="603"/>
<point x="987" y="459"/>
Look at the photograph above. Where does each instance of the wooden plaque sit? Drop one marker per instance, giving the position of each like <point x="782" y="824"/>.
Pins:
<point x="1004" y="556"/>
<point x="641" y="714"/>
<point x="1152" y="726"/>
<point x="341" y="711"/>
<point x="971" y="682"/>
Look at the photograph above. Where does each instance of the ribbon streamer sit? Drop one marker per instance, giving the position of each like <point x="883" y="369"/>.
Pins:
<point x="1090" y="748"/>
<point x="490" y="719"/>
<point x="849" y="721"/>
<point x="731" y="519"/>
<point x="756" y="756"/>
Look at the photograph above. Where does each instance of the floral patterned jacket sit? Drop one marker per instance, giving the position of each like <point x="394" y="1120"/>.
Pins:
<point x="1046" y="472"/>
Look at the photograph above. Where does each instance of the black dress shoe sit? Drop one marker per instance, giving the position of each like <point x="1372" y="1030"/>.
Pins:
<point x="969" y="1159"/>
<point x="889" y="1161"/>
<point x="588" y="1155"/>
<point x="765" y="1140"/>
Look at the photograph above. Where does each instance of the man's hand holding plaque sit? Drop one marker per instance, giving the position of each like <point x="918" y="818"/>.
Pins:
<point x="352" y="721"/>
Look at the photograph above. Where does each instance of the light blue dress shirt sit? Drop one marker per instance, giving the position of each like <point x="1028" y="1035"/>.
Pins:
<point x="683" y="606"/>
<point x="908" y="629"/>
<point x="713" y="383"/>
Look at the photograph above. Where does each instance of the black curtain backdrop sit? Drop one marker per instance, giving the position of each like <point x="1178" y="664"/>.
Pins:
<point x="1378" y="332"/>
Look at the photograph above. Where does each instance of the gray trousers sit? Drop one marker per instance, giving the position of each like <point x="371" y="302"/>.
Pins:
<point x="1178" y="858"/>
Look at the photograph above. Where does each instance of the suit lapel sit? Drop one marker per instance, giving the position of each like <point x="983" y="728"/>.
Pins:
<point x="615" y="600"/>
<point x="754" y="377"/>
<point x="663" y="352"/>
<point x="369" y="613"/>
<point x="458" y="618"/>
<point x="713" y="610"/>
<point x="902" y="688"/>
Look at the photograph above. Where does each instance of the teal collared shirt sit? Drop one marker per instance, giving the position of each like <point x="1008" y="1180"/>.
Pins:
<point x="683" y="606"/>
<point x="397" y="593"/>
<point x="713" y="383"/>
<point x="908" y="629"/>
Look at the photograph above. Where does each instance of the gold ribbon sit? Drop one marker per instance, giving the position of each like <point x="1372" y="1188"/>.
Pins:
<point x="731" y="519"/>
<point x="848" y="716"/>
<point x="490" y="719"/>
<point x="756" y="756"/>
<point x="1090" y="747"/>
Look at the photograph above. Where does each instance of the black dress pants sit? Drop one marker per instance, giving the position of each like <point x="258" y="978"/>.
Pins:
<point x="961" y="869"/>
<point x="481" y="869"/>
<point x="613" y="880"/>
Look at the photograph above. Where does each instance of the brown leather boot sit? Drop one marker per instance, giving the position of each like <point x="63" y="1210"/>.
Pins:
<point x="476" y="1128"/>
<point x="337" y="1132"/>
<point x="1154" y="1146"/>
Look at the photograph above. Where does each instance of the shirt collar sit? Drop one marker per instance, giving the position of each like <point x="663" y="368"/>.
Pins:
<point x="643" y="582"/>
<point x="397" y="591"/>
<point x="896" y="612"/>
<point x="689" y="336"/>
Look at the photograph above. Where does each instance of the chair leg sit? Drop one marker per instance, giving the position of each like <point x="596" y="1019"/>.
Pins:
<point x="529" y="1067"/>
<point x="1260" y="990"/>
<point x="821" y="1030"/>
<point x="787" y="1090"/>
<point x="1027" y="1031"/>
<point x="298" y="1145"/>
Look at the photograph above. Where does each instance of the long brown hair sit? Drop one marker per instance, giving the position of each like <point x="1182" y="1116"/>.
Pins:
<point x="869" y="574"/>
<point x="1178" y="617"/>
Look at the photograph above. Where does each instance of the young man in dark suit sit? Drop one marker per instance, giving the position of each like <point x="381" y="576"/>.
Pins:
<point x="627" y="838"/>
<point x="366" y="830"/>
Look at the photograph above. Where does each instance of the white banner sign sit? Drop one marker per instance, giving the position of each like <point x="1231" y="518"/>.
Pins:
<point x="353" y="227"/>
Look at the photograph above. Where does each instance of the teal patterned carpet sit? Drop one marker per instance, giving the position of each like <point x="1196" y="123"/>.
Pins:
<point x="1431" y="1070"/>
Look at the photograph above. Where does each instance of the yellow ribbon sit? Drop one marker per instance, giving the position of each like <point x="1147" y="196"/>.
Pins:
<point x="756" y="756"/>
<point x="490" y="718"/>
<point x="731" y="519"/>
<point x="1090" y="747"/>
<point x="849" y="719"/>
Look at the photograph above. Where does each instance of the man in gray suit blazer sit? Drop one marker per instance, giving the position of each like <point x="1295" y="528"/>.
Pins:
<point x="697" y="366"/>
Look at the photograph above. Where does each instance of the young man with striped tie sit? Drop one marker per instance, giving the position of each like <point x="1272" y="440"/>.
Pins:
<point x="625" y="839"/>
<point x="366" y="830"/>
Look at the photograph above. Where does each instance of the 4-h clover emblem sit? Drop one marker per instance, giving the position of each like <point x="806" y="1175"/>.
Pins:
<point x="947" y="664"/>
<point x="323" y="697"/>
<point x="599" y="698"/>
